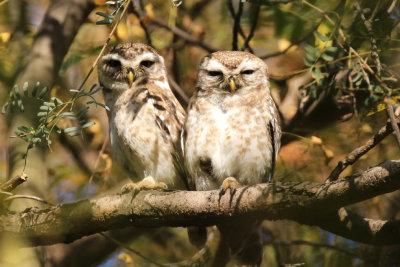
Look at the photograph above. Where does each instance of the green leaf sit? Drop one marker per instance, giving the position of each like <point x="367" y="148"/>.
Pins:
<point x="4" y="108"/>
<point x="108" y="16"/>
<point x="316" y="73"/>
<point x="99" y="104"/>
<point x="42" y="114"/>
<point x="25" y="88"/>
<point x="58" y="130"/>
<point x="331" y="49"/>
<point x="36" y="140"/>
<point x="327" y="57"/>
<point x="72" y="129"/>
<point x="46" y="108"/>
<point x="43" y="92"/>
<point x="74" y="133"/>
<point x="95" y="91"/>
<point x="56" y="101"/>
<point x="24" y="129"/>
<point x="322" y="37"/>
<point x="49" y="104"/>
<point x="20" y="105"/>
<point x="16" y="92"/>
<point x="18" y="132"/>
<point x="92" y="88"/>
<point x="35" y="89"/>
<point x="82" y="111"/>
<point x="88" y="124"/>
<point x="312" y="50"/>
<point x="104" y="22"/>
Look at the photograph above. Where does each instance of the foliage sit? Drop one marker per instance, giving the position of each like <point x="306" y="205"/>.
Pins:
<point x="50" y="114"/>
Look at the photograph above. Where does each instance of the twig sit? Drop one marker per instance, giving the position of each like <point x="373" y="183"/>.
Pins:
<point x="11" y="184"/>
<point x="393" y="120"/>
<point x="176" y="88"/>
<point x="104" y="46"/>
<point x="253" y="27"/>
<point x="184" y="35"/>
<point x="314" y="244"/>
<point x="103" y="147"/>
<point x="132" y="250"/>
<point x="354" y="155"/>
<point x="142" y="25"/>
<point x="28" y="197"/>
<point x="96" y="61"/>
<point x="236" y="22"/>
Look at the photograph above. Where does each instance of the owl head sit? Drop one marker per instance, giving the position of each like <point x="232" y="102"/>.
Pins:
<point x="230" y="72"/>
<point x="129" y="64"/>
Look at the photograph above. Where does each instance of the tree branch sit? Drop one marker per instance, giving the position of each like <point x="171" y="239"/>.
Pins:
<point x="307" y="203"/>
<point x="184" y="35"/>
<point x="359" y="151"/>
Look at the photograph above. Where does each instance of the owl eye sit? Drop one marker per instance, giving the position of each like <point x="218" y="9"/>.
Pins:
<point x="247" y="72"/>
<point x="147" y="63"/>
<point x="215" y="73"/>
<point x="114" y="63"/>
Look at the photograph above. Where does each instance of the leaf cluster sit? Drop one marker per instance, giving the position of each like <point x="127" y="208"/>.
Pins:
<point x="50" y="113"/>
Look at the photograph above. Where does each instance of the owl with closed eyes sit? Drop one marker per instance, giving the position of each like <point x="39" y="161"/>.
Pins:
<point x="231" y="138"/>
<point x="145" y="118"/>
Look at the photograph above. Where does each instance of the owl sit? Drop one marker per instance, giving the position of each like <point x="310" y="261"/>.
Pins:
<point x="231" y="138"/>
<point x="145" y="118"/>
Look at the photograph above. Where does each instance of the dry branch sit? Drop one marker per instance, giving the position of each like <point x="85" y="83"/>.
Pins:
<point x="307" y="203"/>
<point x="184" y="35"/>
<point x="354" y="155"/>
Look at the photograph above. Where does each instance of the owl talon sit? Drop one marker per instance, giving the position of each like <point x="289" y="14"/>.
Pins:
<point x="147" y="183"/>
<point x="229" y="183"/>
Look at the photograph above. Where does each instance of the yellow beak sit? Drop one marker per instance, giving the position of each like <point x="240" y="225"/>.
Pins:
<point x="131" y="77"/>
<point x="232" y="85"/>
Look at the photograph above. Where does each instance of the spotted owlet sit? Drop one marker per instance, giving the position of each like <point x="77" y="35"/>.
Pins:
<point x="145" y="118"/>
<point x="232" y="137"/>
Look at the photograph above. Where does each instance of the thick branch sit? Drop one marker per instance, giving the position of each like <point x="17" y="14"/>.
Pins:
<point x="307" y="203"/>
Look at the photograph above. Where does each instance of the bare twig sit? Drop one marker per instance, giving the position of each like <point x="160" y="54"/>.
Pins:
<point x="124" y="246"/>
<point x="354" y="155"/>
<point x="142" y="24"/>
<point x="101" y="152"/>
<point x="11" y="184"/>
<point x="28" y="197"/>
<point x="184" y="35"/>
<point x="236" y="22"/>
<point x="314" y="244"/>
<point x="253" y="27"/>
<point x="392" y="118"/>
<point x="176" y="88"/>
<point x="104" y="46"/>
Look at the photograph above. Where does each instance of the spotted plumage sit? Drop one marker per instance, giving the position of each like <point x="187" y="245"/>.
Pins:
<point x="145" y="118"/>
<point x="232" y="130"/>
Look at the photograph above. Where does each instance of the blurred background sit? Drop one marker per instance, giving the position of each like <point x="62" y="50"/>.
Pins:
<point x="318" y="53"/>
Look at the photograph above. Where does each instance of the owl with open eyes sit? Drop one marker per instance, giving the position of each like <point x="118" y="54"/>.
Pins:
<point x="231" y="138"/>
<point x="145" y="118"/>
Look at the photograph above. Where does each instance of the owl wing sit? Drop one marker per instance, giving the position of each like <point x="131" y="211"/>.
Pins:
<point x="274" y="131"/>
<point x="170" y="116"/>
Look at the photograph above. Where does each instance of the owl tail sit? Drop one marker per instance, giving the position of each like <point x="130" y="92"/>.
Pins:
<point x="240" y="241"/>
<point x="197" y="235"/>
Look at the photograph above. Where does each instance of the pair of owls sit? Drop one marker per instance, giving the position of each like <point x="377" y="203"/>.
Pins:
<point x="229" y="136"/>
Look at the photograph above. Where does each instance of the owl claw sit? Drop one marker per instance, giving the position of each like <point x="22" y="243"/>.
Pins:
<point x="229" y="183"/>
<point x="147" y="183"/>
